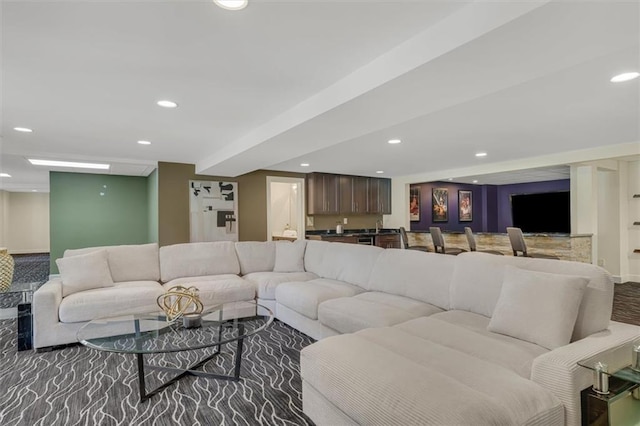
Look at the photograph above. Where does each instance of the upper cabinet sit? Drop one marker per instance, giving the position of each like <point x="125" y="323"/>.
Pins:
<point x="353" y="195"/>
<point x="323" y="192"/>
<point x="379" y="196"/>
<point x="342" y="194"/>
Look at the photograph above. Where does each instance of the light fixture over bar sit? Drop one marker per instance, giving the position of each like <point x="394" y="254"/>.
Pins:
<point x="72" y="164"/>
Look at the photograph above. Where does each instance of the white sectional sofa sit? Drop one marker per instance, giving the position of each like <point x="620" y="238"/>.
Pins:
<point x="405" y="337"/>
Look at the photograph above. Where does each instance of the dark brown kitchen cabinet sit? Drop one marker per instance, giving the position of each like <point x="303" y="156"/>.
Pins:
<point x="354" y="195"/>
<point x="323" y="193"/>
<point x="379" y="196"/>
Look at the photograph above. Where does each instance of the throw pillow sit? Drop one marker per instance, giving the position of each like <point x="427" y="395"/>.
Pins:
<point x="290" y="256"/>
<point x="84" y="272"/>
<point x="538" y="307"/>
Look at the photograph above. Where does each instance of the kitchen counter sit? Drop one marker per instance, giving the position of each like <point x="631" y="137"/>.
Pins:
<point x="328" y="233"/>
<point x="385" y="238"/>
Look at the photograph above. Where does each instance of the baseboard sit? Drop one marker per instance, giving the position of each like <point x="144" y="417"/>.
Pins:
<point x="626" y="278"/>
<point x="31" y="251"/>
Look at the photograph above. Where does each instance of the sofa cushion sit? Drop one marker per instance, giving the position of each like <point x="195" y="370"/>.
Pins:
<point x="414" y="274"/>
<point x="290" y="256"/>
<point x="122" y="298"/>
<point x="215" y="289"/>
<point x="387" y="376"/>
<point x="477" y="281"/>
<point x="84" y="272"/>
<point x="266" y="282"/>
<point x="131" y="262"/>
<point x="371" y="309"/>
<point x="351" y="263"/>
<point x="304" y="297"/>
<point x="467" y="332"/>
<point x="538" y="307"/>
<point x="198" y="259"/>
<point x="256" y="256"/>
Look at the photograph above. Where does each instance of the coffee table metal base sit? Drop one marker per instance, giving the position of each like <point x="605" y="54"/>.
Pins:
<point x="190" y="371"/>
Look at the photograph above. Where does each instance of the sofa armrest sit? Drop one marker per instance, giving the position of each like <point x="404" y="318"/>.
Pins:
<point x="558" y="370"/>
<point x="45" y="307"/>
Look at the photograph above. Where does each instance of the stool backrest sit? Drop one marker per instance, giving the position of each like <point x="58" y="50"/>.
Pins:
<point x="517" y="241"/>
<point x="470" y="239"/>
<point x="438" y="240"/>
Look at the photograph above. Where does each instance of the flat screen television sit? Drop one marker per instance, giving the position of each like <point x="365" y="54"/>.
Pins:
<point x="543" y="212"/>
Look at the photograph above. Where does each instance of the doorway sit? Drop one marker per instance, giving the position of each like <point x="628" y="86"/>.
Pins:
<point x="285" y="208"/>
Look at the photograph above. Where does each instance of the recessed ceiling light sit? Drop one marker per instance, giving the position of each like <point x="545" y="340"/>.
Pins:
<point x="481" y="154"/>
<point x="167" y="104"/>
<point x="71" y="164"/>
<point x="380" y="172"/>
<point x="34" y="190"/>
<point x="304" y="164"/>
<point x="475" y="181"/>
<point x="624" y="77"/>
<point x="5" y="175"/>
<point x="232" y="4"/>
<point x="450" y="178"/>
<point x="394" y="141"/>
<point x="144" y="142"/>
<point x="22" y="129"/>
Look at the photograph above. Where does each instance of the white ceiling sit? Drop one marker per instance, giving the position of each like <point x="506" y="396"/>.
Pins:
<point x="322" y="82"/>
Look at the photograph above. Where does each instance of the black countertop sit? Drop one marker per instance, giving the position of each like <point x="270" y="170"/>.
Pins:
<point x="352" y="232"/>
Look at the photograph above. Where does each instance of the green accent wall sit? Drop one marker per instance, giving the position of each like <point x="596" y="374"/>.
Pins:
<point x="88" y="210"/>
<point x="152" y="198"/>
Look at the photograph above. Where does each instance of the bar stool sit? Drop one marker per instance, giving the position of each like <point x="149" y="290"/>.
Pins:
<point x="405" y="241"/>
<point x="472" y="243"/>
<point x="518" y="245"/>
<point x="438" y="242"/>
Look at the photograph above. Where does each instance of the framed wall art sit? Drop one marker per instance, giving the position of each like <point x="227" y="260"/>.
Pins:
<point x="213" y="207"/>
<point x="414" y="204"/>
<point x="465" y="206"/>
<point x="439" y="204"/>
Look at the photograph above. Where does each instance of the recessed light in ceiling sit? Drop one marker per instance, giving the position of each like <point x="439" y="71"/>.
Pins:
<point x="71" y="164"/>
<point x="167" y="104"/>
<point x="304" y="164"/>
<point x="394" y="141"/>
<point x="144" y="142"/>
<point x="624" y="77"/>
<point x="34" y="190"/>
<point x="481" y="154"/>
<point x="450" y="178"/>
<point x="232" y="4"/>
<point x="475" y="181"/>
<point x="5" y="175"/>
<point x="380" y="172"/>
<point x="23" y="129"/>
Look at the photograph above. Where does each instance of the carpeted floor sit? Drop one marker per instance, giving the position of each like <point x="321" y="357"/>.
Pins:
<point x="30" y="267"/>
<point x="80" y="386"/>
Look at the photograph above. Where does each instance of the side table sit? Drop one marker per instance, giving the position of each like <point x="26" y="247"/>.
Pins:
<point x="23" y="295"/>
<point x="614" y="399"/>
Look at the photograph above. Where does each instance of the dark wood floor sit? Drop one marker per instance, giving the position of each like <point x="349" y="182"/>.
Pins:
<point x="626" y="303"/>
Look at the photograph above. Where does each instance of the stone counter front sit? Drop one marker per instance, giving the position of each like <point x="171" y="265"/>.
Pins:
<point x="566" y="247"/>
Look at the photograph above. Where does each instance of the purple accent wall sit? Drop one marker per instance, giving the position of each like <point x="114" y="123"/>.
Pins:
<point x="491" y="204"/>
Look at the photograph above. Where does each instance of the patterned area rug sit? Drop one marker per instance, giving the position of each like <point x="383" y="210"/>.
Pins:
<point x="81" y="386"/>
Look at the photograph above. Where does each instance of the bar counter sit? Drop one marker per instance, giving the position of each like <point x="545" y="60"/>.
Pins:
<point x="575" y="247"/>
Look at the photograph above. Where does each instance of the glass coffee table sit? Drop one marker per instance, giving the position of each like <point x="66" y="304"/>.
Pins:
<point x="151" y="333"/>
<point x="614" y="398"/>
<point x="15" y="302"/>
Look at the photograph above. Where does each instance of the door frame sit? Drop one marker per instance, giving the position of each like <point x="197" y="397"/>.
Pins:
<point x="299" y="207"/>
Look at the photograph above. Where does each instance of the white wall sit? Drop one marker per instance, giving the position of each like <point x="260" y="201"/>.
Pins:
<point x="26" y="222"/>
<point x="3" y="218"/>
<point x="633" y="231"/>
<point x="608" y="222"/>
